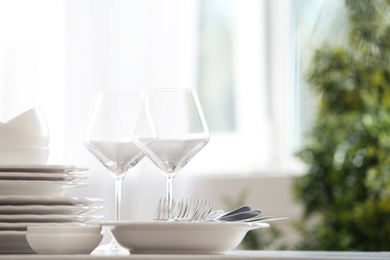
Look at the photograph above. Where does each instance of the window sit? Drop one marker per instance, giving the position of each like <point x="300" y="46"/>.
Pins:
<point x="247" y="86"/>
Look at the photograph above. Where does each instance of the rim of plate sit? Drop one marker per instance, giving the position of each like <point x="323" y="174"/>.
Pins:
<point x="170" y="224"/>
<point x="43" y="182"/>
<point x="48" y="200"/>
<point x="44" y="167"/>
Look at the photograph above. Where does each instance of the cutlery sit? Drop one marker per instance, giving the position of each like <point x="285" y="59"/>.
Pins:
<point x="201" y="211"/>
<point x="184" y="210"/>
<point x="264" y="219"/>
<point x="235" y="211"/>
<point x="240" y="216"/>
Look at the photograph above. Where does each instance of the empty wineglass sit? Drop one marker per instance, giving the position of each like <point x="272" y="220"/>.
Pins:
<point x="107" y="135"/>
<point x="170" y="129"/>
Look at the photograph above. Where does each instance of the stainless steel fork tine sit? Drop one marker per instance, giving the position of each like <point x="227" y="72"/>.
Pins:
<point x="206" y="209"/>
<point x="163" y="210"/>
<point x="186" y="208"/>
<point x="158" y="214"/>
<point x="167" y="208"/>
<point x="171" y="209"/>
<point x="192" y="208"/>
<point x="197" y="210"/>
<point x="189" y="207"/>
<point x="179" y="210"/>
<point x="164" y="214"/>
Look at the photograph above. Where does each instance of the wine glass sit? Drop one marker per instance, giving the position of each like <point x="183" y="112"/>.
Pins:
<point x="170" y="129"/>
<point x="107" y="135"/>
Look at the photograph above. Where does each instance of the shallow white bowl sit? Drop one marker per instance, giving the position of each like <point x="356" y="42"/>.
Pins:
<point x="23" y="155"/>
<point x="28" y="129"/>
<point x="64" y="229"/>
<point x="63" y="243"/>
<point x="180" y="237"/>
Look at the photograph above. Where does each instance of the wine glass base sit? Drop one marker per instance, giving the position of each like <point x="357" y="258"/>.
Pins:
<point x="112" y="248"/>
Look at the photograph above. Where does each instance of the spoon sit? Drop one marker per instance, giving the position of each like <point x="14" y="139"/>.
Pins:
<point x="240" y="216"/>
<point x="235" y="211"/>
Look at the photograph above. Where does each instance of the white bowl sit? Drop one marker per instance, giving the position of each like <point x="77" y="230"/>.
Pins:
<point x="14" y="242"/>
<point x="28" y="129"/>
<point x="64" y="229"/>
<point x="23" y="155"/>
<point x="63" y="243"/>
<point x="161" y="237"/>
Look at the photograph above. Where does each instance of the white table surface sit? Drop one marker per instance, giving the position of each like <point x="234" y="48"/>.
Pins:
<point x="233" y="255"/>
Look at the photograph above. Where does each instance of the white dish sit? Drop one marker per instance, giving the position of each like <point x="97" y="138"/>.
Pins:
<point x="48" y="200"/>
<point x="22" y="226"/>
<point x="64" y="243"/>
<point x="14" y="242"/>
<point x="180" y="237"/>
<point x="48" y="209"/>
<point x="40" y="168"/>
<point x="37" y="188"/>
<point x="41" y="176"/>
<point x="54" y="218"/>
<point x="28" y="129"/>
<point x="18" y="226"/>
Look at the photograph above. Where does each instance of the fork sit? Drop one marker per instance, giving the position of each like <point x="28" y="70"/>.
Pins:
<point x="184" y="210"/>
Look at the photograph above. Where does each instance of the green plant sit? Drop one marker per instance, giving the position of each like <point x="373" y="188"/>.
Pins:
<point x="347" y="186"/>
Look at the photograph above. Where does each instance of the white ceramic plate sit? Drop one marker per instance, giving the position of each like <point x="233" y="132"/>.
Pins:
<point x="48" y="176"/>
<point x="40" y="168"/>
<point x="14" y="242"/>
<point x="48" y="200"/>
<point x="55" y="218"/>
<point x="48" y="209"/>
<point x="161" y="237"/>
<point x="22" y="226"/>
<point x="37" y="188"/>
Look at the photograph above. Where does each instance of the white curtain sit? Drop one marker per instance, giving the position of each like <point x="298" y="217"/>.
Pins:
<point x="32" y="62"/>
<point x="55" y="54"/>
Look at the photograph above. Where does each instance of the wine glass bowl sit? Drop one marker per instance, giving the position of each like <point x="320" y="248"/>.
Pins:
<point x="117" y="157"/>
<point x="170" y="129"/>
<point x="107" y="132"/>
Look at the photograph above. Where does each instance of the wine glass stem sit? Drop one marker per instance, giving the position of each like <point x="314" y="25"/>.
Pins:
<point x="118" y="198"/>
<point x="170" y="190"/>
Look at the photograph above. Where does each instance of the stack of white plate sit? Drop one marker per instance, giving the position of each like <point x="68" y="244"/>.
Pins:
<point x="35" y="195"/>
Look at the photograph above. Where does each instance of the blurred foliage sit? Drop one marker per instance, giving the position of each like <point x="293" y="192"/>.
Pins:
<point x="259" y="238"/>
<point x="347" y="186"/>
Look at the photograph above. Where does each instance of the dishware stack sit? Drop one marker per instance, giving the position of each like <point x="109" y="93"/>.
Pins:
<point x="32" y="192"/>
